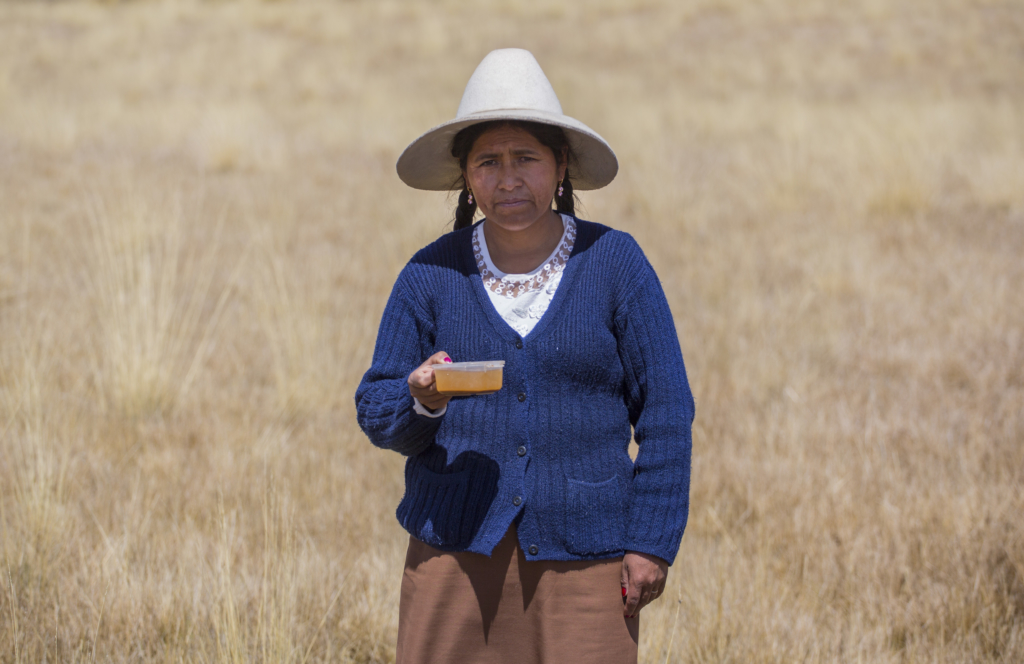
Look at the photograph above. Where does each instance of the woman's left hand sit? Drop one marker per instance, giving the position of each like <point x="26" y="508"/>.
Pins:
<point x="643" y="580"/>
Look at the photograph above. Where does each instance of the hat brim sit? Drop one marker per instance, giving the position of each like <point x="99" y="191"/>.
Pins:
<point x="428" y="162"/>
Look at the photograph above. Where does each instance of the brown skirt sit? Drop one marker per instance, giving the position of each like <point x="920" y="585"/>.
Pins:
<point x="466" y="607"/>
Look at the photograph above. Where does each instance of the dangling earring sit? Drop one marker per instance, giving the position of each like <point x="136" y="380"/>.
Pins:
<point x="470" y="199"/>
<point x="559" y="188"/>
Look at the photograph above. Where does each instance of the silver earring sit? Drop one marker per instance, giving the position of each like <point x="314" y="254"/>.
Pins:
<point x="470" y="199"/>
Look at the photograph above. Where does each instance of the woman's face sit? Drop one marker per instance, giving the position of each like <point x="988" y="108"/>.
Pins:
<point x="513" y="177"/>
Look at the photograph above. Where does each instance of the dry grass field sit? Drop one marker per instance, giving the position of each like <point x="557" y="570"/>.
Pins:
<point x="200" y="223"/>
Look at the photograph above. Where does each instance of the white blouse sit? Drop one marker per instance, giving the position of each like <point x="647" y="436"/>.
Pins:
<point x="520" y="299"/>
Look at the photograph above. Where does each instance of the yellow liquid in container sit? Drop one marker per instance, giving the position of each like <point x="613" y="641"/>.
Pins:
<point x="459" y="379"/>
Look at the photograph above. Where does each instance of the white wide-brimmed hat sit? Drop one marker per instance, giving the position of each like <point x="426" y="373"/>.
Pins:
<point x="507" y="85"/>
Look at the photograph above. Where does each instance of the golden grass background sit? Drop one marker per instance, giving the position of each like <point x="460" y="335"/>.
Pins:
<point x="201" y="222"/>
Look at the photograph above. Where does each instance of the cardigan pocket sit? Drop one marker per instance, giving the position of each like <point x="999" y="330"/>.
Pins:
<point x="434" y="504"/>
<point x="595" y="517"/>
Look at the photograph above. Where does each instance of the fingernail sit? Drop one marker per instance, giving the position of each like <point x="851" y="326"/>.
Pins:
<point x="623" y="592"/>
<point x="448" y="360"/>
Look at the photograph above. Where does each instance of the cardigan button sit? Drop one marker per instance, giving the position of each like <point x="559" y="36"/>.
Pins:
<point x="522" y="397"/>
<point x="521" y="451"/>
<point x="517" y="501"/>
<point x="519" y="344"/>
<point x="534" y="550"/>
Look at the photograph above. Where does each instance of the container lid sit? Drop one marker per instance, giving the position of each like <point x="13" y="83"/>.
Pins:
<point x="470" y="366"/>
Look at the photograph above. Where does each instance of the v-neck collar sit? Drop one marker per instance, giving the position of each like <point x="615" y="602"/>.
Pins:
<point x="503" y="329"/>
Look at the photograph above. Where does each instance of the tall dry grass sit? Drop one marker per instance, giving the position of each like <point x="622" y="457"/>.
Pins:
<point x="200" y="225"/>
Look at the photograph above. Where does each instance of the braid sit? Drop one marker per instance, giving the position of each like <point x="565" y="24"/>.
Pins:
<point x="465" y="212"/>
<point x="567" y="201"/>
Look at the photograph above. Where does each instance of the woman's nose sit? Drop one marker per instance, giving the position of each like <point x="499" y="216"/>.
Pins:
<point x="508" y="178"/>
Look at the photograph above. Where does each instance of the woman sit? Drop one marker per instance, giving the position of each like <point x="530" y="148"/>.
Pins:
<point x="533" y="536"/>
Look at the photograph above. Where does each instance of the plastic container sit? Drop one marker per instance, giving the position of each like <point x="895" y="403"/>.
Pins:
<point x="458" y="379"/>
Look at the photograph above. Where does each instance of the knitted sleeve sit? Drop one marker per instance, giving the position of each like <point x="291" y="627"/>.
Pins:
<point x="661" y="411"/>
<point x="384" y="407"/>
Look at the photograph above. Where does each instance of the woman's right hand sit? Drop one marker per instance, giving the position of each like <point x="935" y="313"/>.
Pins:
<point x="422" y="385"/>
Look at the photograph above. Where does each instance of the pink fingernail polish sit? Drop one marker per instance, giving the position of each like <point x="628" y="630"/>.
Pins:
<point x="448" y="360"/>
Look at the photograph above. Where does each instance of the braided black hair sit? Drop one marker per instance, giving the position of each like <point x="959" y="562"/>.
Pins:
<point x="465" y="211"/>
<point x="549" y="136"/>
<point x="566" y="203"/>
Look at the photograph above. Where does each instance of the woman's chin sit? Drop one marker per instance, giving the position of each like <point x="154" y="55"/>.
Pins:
<point x="515" y="218"/>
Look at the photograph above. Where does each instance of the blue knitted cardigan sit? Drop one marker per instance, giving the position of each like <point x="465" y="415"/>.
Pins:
<point x="549" y="451"/>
